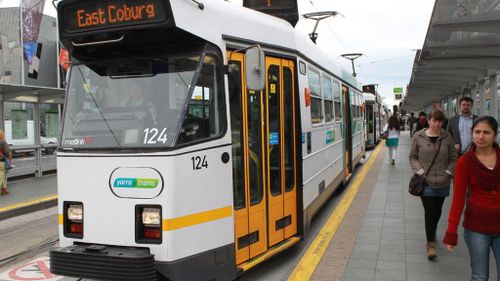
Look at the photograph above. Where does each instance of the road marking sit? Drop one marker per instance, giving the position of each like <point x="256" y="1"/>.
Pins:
<point x="308" y="263"/>
<point x="35" y="270"/>
<point x="28" y="203"/>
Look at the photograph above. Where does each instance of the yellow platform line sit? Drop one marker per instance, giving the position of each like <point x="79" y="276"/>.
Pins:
<point x="308" y="263"/>
<point x="28" y="203"/>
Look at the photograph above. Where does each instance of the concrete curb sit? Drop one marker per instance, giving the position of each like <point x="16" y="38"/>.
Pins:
<point x="28" y="207"/>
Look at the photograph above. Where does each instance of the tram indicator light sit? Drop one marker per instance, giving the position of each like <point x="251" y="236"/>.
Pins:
<point x="79" y="16"/>
<point x="307" y="96"/>
<point x="76" y="228"/>
<point x="152" y="233"/>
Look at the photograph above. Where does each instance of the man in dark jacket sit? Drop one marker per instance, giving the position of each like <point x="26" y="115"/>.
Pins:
<point x="411" y="120"/>
<point x="460" y="125"/>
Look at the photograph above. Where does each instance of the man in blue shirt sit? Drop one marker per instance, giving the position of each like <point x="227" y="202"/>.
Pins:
<point x="460" y="126"/>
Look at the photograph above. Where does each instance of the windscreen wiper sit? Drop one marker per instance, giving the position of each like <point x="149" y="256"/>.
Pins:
<point x="98" y="108"/>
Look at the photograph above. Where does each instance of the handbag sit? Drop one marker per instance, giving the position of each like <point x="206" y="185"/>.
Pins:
<point x="417" y="182"/>
<point x="8" y="163"/>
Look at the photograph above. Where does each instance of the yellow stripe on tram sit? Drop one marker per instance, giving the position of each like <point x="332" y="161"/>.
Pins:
<point x="194" y="219"/>
<point x="306" y="266"/>
<point x="28" y="203"/>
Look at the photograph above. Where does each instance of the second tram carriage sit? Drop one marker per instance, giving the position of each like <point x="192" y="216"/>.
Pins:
<point x="373" y="119"/>
<point x="188" y="152"/>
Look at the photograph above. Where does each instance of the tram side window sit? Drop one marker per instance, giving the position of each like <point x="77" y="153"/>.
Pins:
<point x="337" y="101"/>
<point x="326" y="89"/>
<point x="289" y="129"/>
<point x="275" y="108"/>
<point x="315" y="91"/>
<point x="235" y="94"/>
<point x="358" y="104"/>
<point x="205" y="114"/>
<point x="354" y="110"/>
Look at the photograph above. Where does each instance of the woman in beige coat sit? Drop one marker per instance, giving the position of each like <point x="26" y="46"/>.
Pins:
<point x="424" y="146"/>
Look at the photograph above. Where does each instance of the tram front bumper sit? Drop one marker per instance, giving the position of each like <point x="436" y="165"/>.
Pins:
<point x="103" y="262"/>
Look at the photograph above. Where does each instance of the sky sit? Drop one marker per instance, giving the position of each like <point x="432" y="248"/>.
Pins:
<point x="386" y="32"/>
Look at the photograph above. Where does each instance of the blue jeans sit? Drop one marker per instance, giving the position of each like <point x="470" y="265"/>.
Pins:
<point x="479" y="245"/>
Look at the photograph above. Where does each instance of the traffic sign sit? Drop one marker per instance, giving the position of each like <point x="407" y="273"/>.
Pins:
<point x="397" y="90"/>
<point x="35" y="270"/>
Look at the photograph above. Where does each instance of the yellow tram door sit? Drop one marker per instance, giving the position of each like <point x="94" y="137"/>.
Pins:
<point x="248" y="163"/>
<point x="280" y="150"/>
<point x="347" y="131"/>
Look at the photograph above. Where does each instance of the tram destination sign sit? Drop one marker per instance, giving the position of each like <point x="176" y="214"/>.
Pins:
<point x="83" y="16"/>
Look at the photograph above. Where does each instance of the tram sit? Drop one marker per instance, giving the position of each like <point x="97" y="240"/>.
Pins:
<point x="199" y="138"/>
<point x="373" y="119"/>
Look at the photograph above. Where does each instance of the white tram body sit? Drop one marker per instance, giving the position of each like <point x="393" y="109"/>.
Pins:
<point x="130" y="195"/>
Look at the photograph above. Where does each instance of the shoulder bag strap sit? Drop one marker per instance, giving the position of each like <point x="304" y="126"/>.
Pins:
<point x="435" y="156"/>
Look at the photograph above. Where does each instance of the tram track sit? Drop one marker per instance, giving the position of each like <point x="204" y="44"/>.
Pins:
<point x="32" y="251"/>
<point x="24" y="237"/>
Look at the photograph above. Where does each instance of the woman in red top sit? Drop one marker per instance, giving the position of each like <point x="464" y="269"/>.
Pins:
<point x="478" y="173"/>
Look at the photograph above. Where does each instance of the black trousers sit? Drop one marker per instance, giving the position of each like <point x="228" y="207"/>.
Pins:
<point x="432" y="207"/>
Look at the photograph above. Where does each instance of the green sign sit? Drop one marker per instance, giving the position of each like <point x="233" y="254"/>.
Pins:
<point x="397" y="90"/>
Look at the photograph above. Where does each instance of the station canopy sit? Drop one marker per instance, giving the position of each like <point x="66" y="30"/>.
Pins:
<point x="34" y="94"/>
<point x="462" y="47"/>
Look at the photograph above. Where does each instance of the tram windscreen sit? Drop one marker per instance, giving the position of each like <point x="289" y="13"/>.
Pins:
<point x="143" y="103"/>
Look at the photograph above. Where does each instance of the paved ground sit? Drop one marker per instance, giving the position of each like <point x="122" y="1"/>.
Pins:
<point x="28" y="195"/>
<point x="390" y="241"/>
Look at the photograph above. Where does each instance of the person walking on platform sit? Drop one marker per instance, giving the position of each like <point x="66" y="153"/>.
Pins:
<point x="459" y="126"/>
<point x="411" y="120"/>
<point x="422" y="122"/>
<point x="393" y="132"/>
<point x="477" y="185"/>
<point x="4" y="154"/>
<point x="433" y="154"/>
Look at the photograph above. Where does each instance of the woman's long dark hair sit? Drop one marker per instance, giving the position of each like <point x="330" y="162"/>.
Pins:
<point x="393" y="123"/>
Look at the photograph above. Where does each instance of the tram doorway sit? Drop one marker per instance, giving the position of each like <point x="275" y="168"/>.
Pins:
<point x="347" y="132"/>
<point x="264" y="157"/>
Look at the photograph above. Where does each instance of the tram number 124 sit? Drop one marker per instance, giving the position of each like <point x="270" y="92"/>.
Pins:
<point x="153" y="135"/>
<point x="199" y="162"/>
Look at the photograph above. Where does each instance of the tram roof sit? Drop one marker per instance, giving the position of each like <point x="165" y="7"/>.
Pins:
<point x="237" y="23"/>
<point x="461" y="48"/>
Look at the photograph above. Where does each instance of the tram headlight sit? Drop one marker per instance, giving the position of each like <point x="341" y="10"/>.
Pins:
<point x="151" y="216"/>
<point x="148" y="221"/>
<point x="75" y="212"/>
<point x="73" y="219"/>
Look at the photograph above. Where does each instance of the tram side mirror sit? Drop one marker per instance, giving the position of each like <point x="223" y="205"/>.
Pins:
<point x="255" y="69"/>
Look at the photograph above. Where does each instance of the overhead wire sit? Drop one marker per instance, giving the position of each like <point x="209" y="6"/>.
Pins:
<point x="385" y="60"/>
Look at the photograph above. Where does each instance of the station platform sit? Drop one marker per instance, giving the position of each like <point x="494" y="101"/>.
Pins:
<point x="28" y="195"/>
<point x="377" y="231"/>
